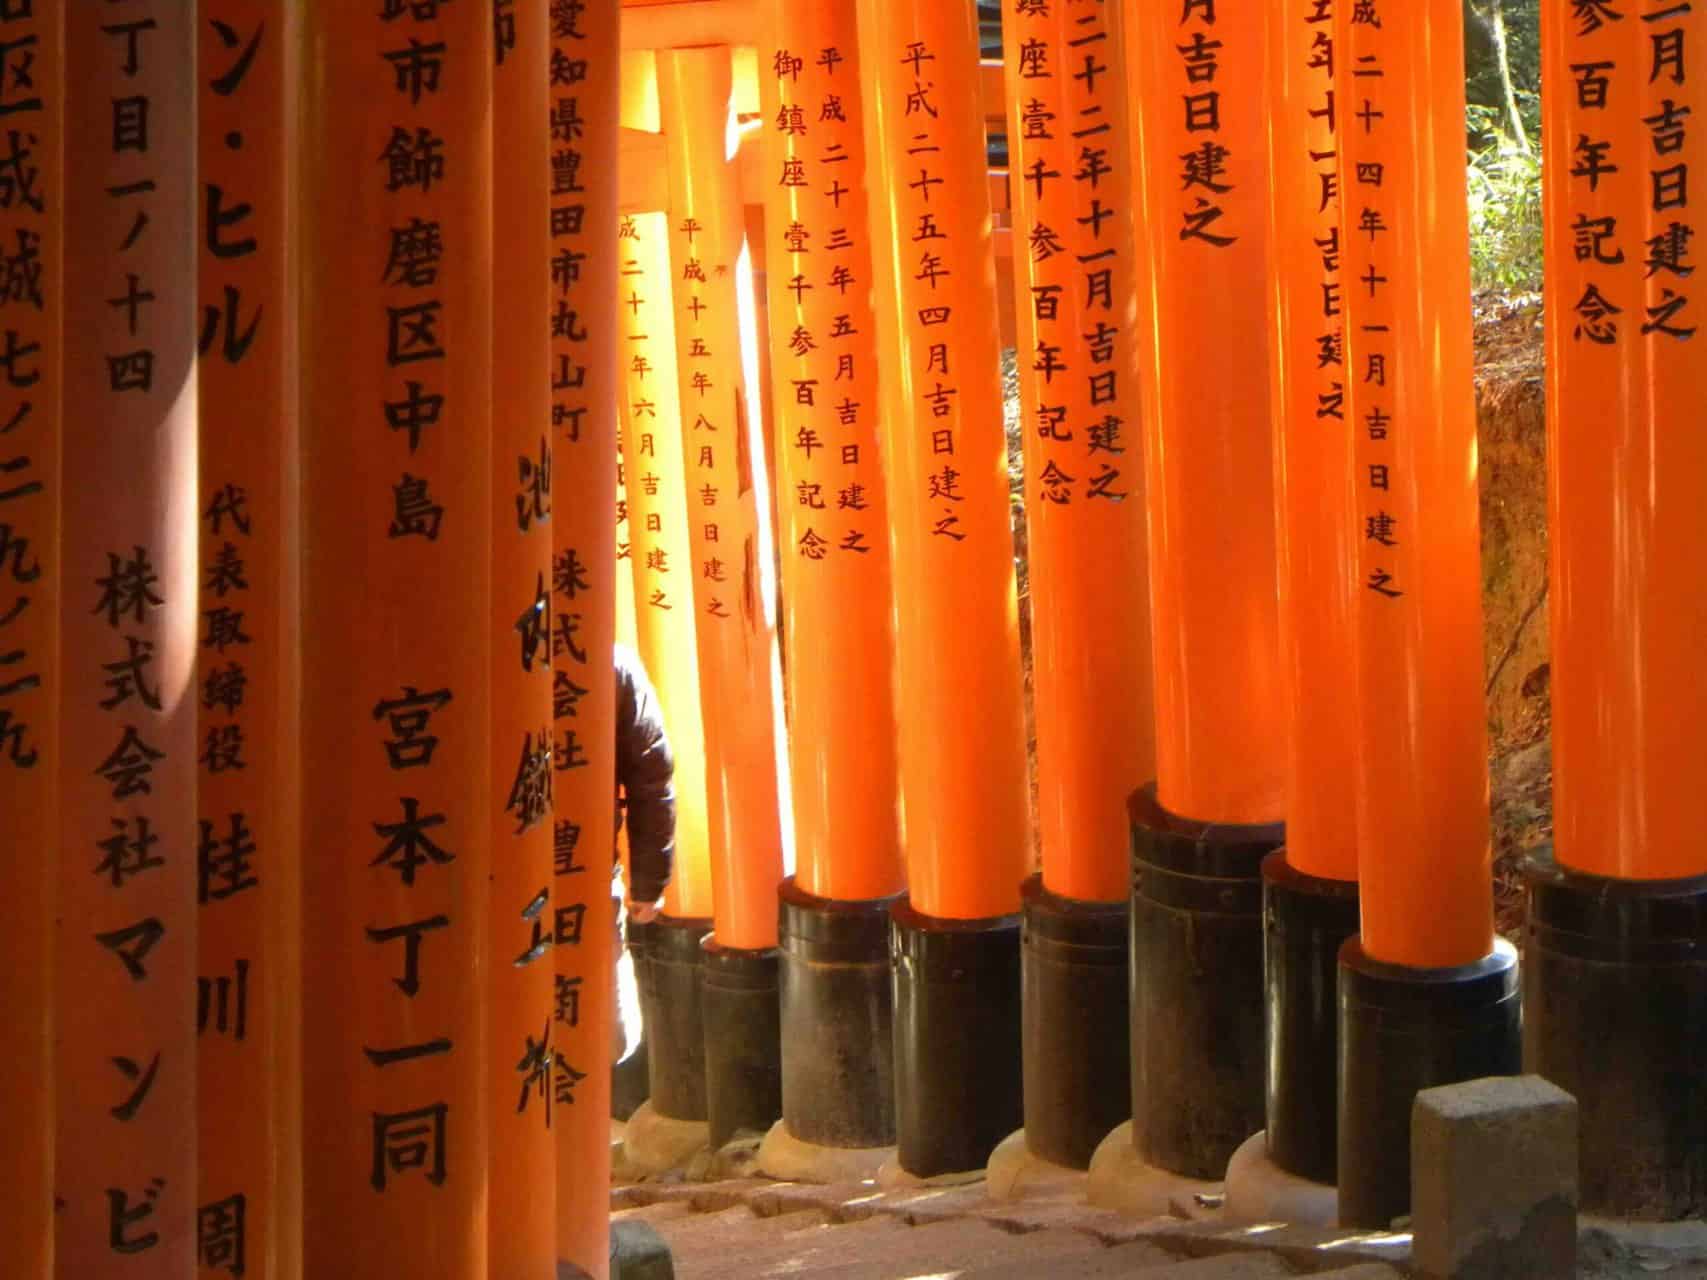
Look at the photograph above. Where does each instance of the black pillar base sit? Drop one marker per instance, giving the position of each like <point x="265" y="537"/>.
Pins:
<point x="957" y="1039"/>
<point x="1197" y="987"/>
<point x="1077" y="1053"/>
<point x="743" y="1039"/>
<point x="1306" y="919"/>
<point x="1615" y="1012"/>
<point x="838" y="1052"/>
<point x="630" y="1083"/>
<point x="1402" y="1030"/>
<point x="667" y="964"/>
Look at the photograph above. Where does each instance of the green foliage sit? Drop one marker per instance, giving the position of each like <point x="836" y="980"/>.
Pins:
<point x="1505" y="208"/>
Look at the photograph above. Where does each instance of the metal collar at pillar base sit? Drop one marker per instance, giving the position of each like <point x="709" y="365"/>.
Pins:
<point x="1615" y="996"/>
<point x="1197" y="986"/>
<point x="743" y="1039"/>
<point x="1402" y="1030"/>
<point x="838" y="1075"/>
<point x="1306" y="919"/>
<point x="1077" y="1053"/>
<point x="957" y="1039"/>
<point x="668" y="964"/>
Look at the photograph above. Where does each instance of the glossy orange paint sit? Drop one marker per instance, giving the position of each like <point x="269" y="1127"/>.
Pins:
<point x="248" y="941"/>
<point x="30" y="706"/>
<point x="1627" y="466"/>
<point x="1316" y="503"/>
<point x="1199" y="107"/>
<point x="126" y="962"/>
<point x="528" y="750"/>
<point x="1070" y="166"/>
<point x="587" y="580"/>
<point x="833" y="515"/>
<point x="398" y="643"/>
<point x="960" y="725"/>
<point x="1423" y="859"/>
<point x="732" y="574"/>
<point x="660" y="549"/>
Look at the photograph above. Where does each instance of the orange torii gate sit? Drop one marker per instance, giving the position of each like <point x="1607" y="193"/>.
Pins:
<point x="1070" y="165"/>
<point x="731" y="587"/>
<point x="131" y="622"/>
<point x="1310" y="886"/>
<point x="586" y="579"/>
<point x="836" y="1009"/>
<point x="248" y="988"/>
<point x="1427" y="994"/>
<point x="1615" y="984"/>
<point x="1201" y="829"/>
<point x="398" y="642"/>
<point x="527" y="1081"/>
<point x="964" y="821"/>
<point x="317" y="629"/>
<point x="30" y="688"/>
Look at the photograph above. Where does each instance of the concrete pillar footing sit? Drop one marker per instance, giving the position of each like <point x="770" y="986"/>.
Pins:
<point x="790" y="1159"/>
<point x="1015" y="1171"/>
<point x="1120" y="1179"/>
<point x="1259" y="1190"/>
<point x="654" y="1143"/>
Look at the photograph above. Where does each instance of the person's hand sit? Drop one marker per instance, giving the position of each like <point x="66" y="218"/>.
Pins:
<point x="643" y="912"/>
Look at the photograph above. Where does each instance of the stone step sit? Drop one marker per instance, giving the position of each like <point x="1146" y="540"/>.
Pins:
<point x="734" y="1229"/>
<point x="878" y="1248"/>
<point x="657" y="1215"/>
<point x="759" y="1230"/>
<point x="1140" y="1259"/>
<point x="788" y="1244"/>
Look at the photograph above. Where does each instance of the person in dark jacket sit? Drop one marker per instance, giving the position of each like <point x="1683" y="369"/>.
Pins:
<point x="646" y="799"/>
<point x="646" y="792"/>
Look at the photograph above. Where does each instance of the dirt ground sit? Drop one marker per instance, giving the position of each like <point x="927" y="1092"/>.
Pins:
<point x="1511" y="402"/>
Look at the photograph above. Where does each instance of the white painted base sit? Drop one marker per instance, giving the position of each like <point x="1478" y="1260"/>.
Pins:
<point x="1259" y="1190"/>
<point x="654" y="1143"/>
<point x="1122" y="1181"/>
<point x="1015" y="1172"/>
<point x="790" y="1159"/>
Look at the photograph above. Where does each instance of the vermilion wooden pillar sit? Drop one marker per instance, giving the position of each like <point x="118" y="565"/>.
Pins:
<point x="660" y="507"/>
<point x="522" y="1094"/>
<point x="1309" y="887"/>
<point x="586" y="584"/>
<point x="835" y="554"/>
<point x="131" y="620"/>
<point x="1616" y="991"/>
<point x="723" y="453"/>
<point x="1070" y="166"/>
<point x="248" y="1008"/>
<point x="964" y="812"/>
<point x="733" y="587"/>
<point x="1201" y="830"/>
<point x="833" y="534"/>
<point x="32" y="218"/>
<point x="398" y="645"/>
<point x="1427" y="997"/>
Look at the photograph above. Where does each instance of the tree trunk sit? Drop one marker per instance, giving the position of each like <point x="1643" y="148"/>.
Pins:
<point x="1493" y="14"/>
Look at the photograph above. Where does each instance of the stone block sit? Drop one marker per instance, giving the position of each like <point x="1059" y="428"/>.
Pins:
<point x="638" y="1252"/>
<point x="1494" y="1180"/>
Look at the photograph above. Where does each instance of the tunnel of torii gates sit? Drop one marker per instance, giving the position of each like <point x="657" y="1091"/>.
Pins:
<point x="370" y="367"/>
